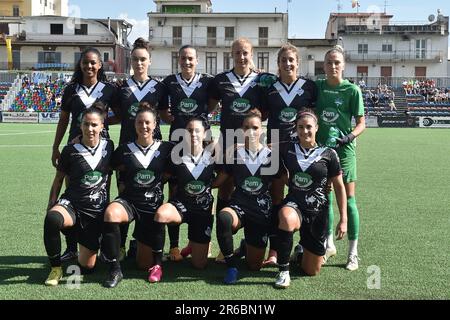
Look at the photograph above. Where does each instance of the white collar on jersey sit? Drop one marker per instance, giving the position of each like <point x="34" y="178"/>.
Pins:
<point x="140" y="92"/>
<point x="189" y="87"/>
<point x="241" y="85"/>
<point x="92" y="159"/>
<point x="196" y="165"/>
<point x="253" y="163"/>
<point x="288" y="94"/>
<point x="89" y="95"/>
<point x="306" y="158"/>
<point x="145" y="158"/>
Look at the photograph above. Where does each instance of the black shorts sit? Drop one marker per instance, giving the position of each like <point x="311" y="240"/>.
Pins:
<point x="257" y="227"/>
<point x="87" y="228"/>
<point x="145" y="228"/>
<point x="313" y="228"/>
<point x="200" y="222"/>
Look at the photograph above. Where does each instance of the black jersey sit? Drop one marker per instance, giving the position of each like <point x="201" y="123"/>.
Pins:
<point x="131" y="93"/>
<point x="238" y="95"/>
<point x="142" y="171"/>
<point x="187" y="99"/>
<point x="309" y="171"/>
<point x="77" y="98"/>
<point x="248" y="172"/>
<point x="88" y="170"/>
<point x="282" y="102"/>
<point x="194" y="179"/>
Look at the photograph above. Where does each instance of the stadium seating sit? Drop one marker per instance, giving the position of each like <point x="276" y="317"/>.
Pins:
<point x="4" y="88"/>
<point x="417" y="106"/>
<point x="38" y="97"/>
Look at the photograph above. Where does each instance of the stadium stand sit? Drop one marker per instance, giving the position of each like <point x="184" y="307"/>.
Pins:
<point x="42" y="95"/>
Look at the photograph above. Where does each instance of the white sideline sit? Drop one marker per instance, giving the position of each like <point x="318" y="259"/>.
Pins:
<point x="24" y="145"/>
<point x="22" y="133"/>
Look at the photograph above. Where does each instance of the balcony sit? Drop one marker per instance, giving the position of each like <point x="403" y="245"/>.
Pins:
<point x="199" y="42"/>
<point x="395" y="56"/>
<point x="398" y="28"/>
<point x="55" y="38"/>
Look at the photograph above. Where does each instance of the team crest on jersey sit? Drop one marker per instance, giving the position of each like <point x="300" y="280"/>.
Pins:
<point x="208" y="232"/>
<point x="252" y="184"/>
<point x="92" y="178"/>
<point x="300" y="92"/>
<point x="188" y="105"/>
<point x="339" y="102"/>
<point x="133" y="109"/>
<point x="329" y="115"/>
<point x="241" y="105"/>
<point x="302" y="180"/>
<point x="144" y="177"/>
<point x="288" y="114"/>
<point x="195" y="187"/>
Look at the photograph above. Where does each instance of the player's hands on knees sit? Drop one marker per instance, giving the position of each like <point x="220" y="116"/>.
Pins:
<point x="55" y="157"/>
<point x="341" y="229"/>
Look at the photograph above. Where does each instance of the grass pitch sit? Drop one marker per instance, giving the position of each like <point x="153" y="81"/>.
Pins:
<point x="403" y="199"/>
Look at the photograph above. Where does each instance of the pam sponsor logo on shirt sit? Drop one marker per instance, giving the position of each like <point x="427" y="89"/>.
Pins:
<point x="302" y="180"/>
<point x="188" y="105"/>
<point x="329" y="115"/>
<point x="252" y="184"/>
<point x="92" y="178"/>
<point x="288" y="114"/>
<point x="240" y="105"/>
<point x="195" y="187"/>
<point x="133" y="109"/>
<point x="144" y="177"/>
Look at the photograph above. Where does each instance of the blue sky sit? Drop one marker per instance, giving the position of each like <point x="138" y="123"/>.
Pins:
<point x="307" y="18"/>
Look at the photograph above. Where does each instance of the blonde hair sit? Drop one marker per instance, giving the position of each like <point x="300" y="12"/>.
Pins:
<point x="336" y="48"/>
<point x="244" y="41"/>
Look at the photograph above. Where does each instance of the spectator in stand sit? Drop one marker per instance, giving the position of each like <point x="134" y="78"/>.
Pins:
<point x="392" y="106"/>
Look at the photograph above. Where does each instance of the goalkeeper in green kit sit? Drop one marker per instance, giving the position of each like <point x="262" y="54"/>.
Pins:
<point x="338" y="102"/>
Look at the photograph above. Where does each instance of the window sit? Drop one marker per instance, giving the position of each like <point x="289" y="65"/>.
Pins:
<point x="16" y="12"/>
<point x="227" y="61"/>
<point x="263" y="61"/>
<point x="211" y="63"/>
<point x="56" y="28"/>
<point x="81" y="29"/>
<point x="386" y="48"/>
<point x="211" y="36"/>
<point x="229" y="33"/>
<point x="362" y="71"/>
<point x="177" y="35"/>
<point x="263" y="36"/>
<point x="420" y="49"/>
<point x="363" y="48"/>
<point x="105" y="56"/>
<point x="77" y="57"/>
<point x="175" y="56"/>
<point x="49" y="57"/>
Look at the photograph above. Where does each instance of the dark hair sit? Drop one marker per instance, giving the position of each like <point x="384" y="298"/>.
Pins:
<point x="187" y="46"/>
<point x="306" y="112"/>
<point x="78" y="74"/>
<point x="146" y="107"/>
<point x="202" y="119"/>
<point x="253" y="113"/>
<point x="141" y="43"/>
<point x="98" y="108"/>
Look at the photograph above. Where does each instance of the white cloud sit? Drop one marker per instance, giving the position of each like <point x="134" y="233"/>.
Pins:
<point x="140" y="27"/>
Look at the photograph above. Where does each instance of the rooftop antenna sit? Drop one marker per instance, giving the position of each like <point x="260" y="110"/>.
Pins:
<point x="339" y="6"/>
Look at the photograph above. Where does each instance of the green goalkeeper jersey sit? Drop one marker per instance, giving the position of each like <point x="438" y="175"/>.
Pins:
<point x="336" y="106"/>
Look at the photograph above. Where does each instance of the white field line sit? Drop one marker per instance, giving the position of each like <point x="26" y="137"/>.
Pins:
<point x="24" y="146"/>
<point x="24" y="133"/>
